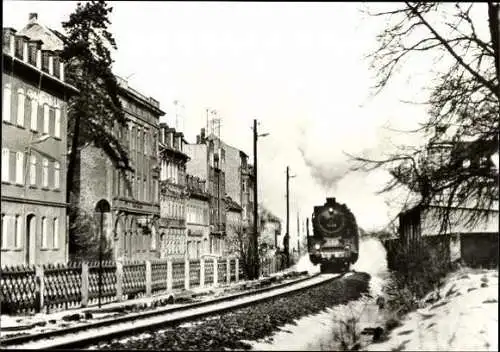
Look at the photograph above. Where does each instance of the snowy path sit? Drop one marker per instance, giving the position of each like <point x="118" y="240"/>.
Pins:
<point x="465" y="319"/>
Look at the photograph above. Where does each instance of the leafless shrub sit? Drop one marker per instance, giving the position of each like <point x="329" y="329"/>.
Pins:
<point x="419" y="273"/>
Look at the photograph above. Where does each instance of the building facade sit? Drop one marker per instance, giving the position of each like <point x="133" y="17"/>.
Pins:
<point x="270" y="229"/>
<point x="207" y="161"/>
<point x="34" y="133"/>
<point x="132" y="197"/>
<point x="235" y="229"/>
<point x="173" y="193"/>
<point x="247" y="189"/>
<point x="197" y="218"/>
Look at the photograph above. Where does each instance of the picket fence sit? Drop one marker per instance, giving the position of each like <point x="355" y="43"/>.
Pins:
<point x="55" y="287"/>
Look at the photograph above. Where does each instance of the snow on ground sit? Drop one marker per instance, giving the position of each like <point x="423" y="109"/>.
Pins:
<point x="316" y="332"/>
<point x="465" y="318"/>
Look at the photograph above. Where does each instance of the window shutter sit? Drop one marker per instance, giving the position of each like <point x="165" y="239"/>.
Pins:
<point x="19" y="168"/>
<point x="33" y="170"/>
<point x="20" y="107"/>
<point x="7" y="102"/>
<point x="45" y="173"/>
<point x="57" y="127"/>
<point x="44" y="232"/>
<point x="46" y="119"/>
<point x="5" y="230"/>
<point x="57" y="175"/>
<point x="5" y="164"/>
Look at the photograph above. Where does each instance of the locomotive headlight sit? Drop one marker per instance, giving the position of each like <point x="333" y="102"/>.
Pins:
<point x="317" y="246"/>
<point x="330" y="210"/>
<point x="347" y="247"/>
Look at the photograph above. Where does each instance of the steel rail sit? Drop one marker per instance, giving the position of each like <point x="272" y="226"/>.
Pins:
<point x="84" y="335"/>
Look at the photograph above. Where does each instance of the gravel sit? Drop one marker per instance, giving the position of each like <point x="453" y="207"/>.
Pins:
<point x="230" y="330"/>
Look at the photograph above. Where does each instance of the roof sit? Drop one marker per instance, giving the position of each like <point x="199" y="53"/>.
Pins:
<point x="52" y="40"/>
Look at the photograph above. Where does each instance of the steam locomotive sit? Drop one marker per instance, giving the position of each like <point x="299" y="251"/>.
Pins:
<point x="335" y="241"/>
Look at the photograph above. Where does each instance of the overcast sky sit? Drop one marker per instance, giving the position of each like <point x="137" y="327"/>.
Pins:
<point x="296" y="67"/>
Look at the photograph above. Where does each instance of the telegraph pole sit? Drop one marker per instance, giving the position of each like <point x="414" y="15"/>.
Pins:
<point x="287" y="235"/>
<point x="298" y="234"/>
<point x="255" y="247"/>
<point x="255" y="243"/>
<point x="307" y="233"/>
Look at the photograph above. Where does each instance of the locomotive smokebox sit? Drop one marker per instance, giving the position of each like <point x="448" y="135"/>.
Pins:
<point x="330" y="201"/>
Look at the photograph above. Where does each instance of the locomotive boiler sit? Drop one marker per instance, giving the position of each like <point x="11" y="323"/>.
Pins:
<point x="334" y="244"/>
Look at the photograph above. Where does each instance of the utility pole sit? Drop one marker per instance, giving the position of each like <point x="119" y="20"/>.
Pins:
<point x="298" y="234"/>
<point x="287" y="235"/>
<point x="255" y="244"/>
<point x="307" y="233"/>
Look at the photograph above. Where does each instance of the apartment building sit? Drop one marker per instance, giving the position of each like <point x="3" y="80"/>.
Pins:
<point x="34" y="133"/>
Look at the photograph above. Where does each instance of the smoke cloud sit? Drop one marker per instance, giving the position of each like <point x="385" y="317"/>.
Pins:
<point x="327" y="175"/>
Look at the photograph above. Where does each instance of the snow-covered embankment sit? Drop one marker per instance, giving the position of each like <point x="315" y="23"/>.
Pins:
<point x="316" y="332"/>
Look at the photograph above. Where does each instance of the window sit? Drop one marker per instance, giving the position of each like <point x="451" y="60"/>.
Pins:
<point x="34" y="114"/>
<point x="27" y="109"/>
<point x="130" y="134"/>
<point x="133" y="137"/>
<point x="132" y="184"/>
<point x="19" y="47"/>
<point x="7" y="101"/>
<point x="45" y="173"/>
<point x="45" y="61"/>
<point x="46" y="118"/>
<point x="139" y="144"/>
<point x="57" y="175"/>
<point x="156" y="190"/>
<point x="5" y="164"/>
<point x="57" y="67"/>
<point x="19" y="230"/>
<point x="55" y="238"/>
<point x="57" y="126"/>
<point x="52" y="119"/>
<point x="20" y="107"/>
<point x="33" y="170"/>
<point x="5" y="230"/>
<point x="44" y="232"/>
<point x="153" y="238"/>
<point x="19" y="168"/>
<point x="32" y="54"/>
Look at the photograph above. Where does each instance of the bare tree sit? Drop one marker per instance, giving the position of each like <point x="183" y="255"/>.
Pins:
<point x="454" y="168"/>
<point x="238" y="241"/>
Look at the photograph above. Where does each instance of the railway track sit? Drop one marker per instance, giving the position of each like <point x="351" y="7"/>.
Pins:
<point x="88" y="334"/>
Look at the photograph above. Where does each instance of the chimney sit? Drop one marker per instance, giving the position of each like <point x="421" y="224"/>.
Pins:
<point x="330" y="200"/>
<point x="33" y="17"/>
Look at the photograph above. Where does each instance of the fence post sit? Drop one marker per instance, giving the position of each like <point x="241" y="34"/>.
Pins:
<point x="228" y="270"/>
<point x="169" y="275"/>
<point x="202" y="272"/>
<point x="85" y="284"/>
<point x="237" y="269"/>
<point x="187" y="275"/>
<point x="148" y="278"/>
<point x="41" y="284"/>
<point x="119" y="281"/>
<point x="216" y="272"/>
